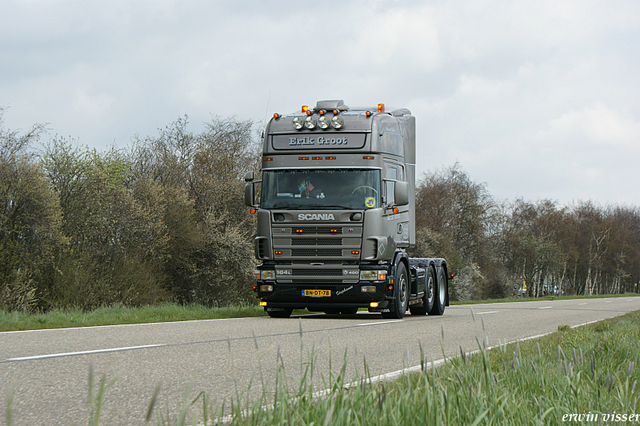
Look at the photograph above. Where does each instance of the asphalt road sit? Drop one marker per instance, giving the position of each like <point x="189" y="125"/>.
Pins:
<point x="48" y="370"/>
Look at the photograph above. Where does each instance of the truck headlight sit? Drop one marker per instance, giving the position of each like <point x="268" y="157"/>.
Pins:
<point x="373" y="275"/>
<point x="368" y="289"/>
<point x="268" y="275"/>
<point x="266" y="287"/>
<point x="337" y="122"/>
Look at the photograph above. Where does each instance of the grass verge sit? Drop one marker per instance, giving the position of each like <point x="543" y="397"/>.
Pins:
<point x="63" y="318"/>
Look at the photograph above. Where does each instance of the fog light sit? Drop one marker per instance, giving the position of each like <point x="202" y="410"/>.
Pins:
<point x="266" y="287"/>
<point x="263" y="303"/>
<point x="371" y="305"/>
<point x="368" y="289"/>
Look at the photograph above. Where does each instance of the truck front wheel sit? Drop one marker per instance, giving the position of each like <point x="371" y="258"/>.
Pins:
<point x="401" y="292"/>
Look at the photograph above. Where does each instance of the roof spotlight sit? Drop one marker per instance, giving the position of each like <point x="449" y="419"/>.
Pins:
<point x="324" y="122"/>
<point x="297" y="123"/>
<point x="310" y="123"/>
<point x="337" y="122"/>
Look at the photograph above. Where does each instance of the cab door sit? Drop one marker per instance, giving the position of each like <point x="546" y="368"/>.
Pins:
<point x="397" y="224"/>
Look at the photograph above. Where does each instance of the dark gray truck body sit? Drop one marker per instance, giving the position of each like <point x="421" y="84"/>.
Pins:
<point x="335" y="213"/>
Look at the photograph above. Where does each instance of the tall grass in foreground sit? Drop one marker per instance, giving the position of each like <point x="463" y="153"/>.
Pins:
<point x="588" y="371"/>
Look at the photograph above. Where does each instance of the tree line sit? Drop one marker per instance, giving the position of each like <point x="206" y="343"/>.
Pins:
<point x="164" y="220"/>
<point x="501" y="249"/>
<point x="161" y="220"/>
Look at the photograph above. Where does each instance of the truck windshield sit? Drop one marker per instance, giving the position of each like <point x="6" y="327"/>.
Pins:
<point x="320" y="189"/>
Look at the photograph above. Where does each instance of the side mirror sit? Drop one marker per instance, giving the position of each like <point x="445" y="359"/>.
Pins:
<point x="249" y="176"/>
<point x="249" y="193"/>
<point x="401" y="193"/>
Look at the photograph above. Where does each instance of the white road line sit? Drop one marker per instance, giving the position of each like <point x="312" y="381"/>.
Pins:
<point x="580" y="304"/>
<point x="377" y="323"/>
<point x="486" y="313"/>
<point x="546" y="307"/>
<point x="97" y="351"/>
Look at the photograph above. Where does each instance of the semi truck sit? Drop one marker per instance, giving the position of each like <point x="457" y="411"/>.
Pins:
<point x="335" y="210"/>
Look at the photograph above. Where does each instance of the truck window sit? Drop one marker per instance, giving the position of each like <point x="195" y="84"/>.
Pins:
<point x="321" y="189"/>
<point x="392" y="172"/>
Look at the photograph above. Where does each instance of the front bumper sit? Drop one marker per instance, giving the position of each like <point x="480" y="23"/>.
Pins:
<point x="342" y="295"/>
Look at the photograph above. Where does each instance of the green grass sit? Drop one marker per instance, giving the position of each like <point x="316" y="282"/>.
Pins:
<point x="62" y="318"/>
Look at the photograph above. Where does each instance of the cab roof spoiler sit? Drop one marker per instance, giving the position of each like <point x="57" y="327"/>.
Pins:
<point x="331" y="105"/>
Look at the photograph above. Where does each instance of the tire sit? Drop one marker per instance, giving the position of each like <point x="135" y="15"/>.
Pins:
<point x="401" y="292"/>
<point x="440" y="294"/>
<point x="429" y="296"/>
<point x="285" y="313"/>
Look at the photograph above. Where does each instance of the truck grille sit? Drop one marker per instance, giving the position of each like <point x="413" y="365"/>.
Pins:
<point x="318" y="272"/>
<point x="316" y="252"/>
<point x="324" y="262"/>
<point x="316" y="241"/>
<point x="319" y="230"/>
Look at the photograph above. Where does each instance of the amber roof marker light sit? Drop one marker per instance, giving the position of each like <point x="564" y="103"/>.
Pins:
<point x="380" y="107"/>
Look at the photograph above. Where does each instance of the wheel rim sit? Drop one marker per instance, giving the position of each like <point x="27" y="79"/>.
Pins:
<point x="430" y="289"/>
<point x="403" y="290"/>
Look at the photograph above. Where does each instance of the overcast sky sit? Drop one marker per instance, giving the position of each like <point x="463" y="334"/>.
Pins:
<point x="537" y="99"/>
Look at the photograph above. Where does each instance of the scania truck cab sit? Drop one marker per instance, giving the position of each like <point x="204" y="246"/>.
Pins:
<point x="335" y="212"/>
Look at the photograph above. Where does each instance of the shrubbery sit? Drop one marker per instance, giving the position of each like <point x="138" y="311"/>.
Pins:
<point x="165" y="220"/>
<point x="162" y="220"/>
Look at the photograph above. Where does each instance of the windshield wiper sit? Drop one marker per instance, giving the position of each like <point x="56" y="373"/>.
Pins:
<point x="325" y="206"/>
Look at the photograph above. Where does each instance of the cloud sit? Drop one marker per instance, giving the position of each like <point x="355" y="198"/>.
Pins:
<point x="536" y="98"/>
<point x="596" y="125"/>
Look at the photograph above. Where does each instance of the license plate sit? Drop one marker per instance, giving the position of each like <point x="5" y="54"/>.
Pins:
<point x="316" y="293"/>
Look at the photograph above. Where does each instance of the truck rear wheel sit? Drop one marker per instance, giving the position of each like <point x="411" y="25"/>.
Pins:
<point x="429" y="296"/>
<point x="441" y="294"/>
<point x="285" y="313"/>
<point x="401" y="292"/>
